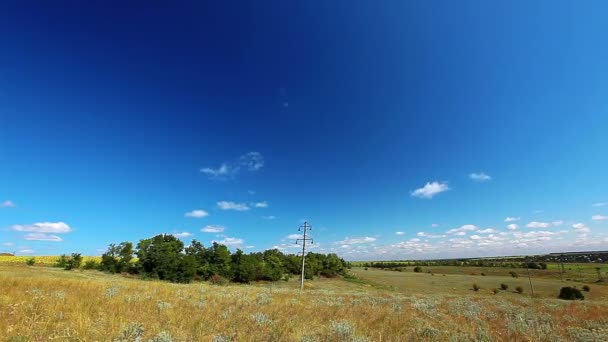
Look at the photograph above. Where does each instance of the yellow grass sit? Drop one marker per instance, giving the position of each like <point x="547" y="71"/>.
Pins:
<point x="40" y="304"/>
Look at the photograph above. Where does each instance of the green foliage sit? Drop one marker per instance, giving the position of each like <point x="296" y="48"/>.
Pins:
<point x="417" y="269"/>
<point x="519" y="289"/>
<point x="504" y="286"/>
<point x="117" y="258"/>
<point x="161" y="257"/>
<point x="218" y="280"/>
<point x="30" y="261"/>
<point x="62" y="261"/>
<point x="91" y="265"/>
<point x="570" y="293"/>
<point x="514" y="274"/>
<point x="73" y="262"/>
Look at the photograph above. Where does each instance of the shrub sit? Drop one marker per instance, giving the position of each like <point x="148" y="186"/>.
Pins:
<point x="504" y="286"/>
<point x="73" y="262"/>
<point x="494" y="291"/>
<point x="513" y="274"/>
<point x="417" y="269"/>
<point x="476" y="287"/>
<point x="570" y="293"/>
<point x="519" y="289"/>
<point x="91" y="265"/>
<point x="218" y="280"/>
<point x="62" y="261"/>
<point x="30" y="261"/>
<point x="483" y="274"/>
<point x="586" y="288"/>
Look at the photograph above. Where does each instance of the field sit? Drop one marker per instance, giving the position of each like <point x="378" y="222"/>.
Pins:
<point x="46" y="260"/>
<point x="42" y="303"/>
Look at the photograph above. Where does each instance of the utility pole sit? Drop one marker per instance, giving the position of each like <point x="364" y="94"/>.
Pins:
<point x="529" y="278"/>
<point x="303" y="228"/>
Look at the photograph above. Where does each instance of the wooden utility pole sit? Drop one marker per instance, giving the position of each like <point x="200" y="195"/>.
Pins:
<point x="304" y="228"/>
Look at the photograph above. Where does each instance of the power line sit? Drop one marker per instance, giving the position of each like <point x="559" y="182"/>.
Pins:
<point x="304" y="228"/>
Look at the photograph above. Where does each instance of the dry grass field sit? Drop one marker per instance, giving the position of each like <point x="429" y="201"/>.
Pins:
<point x="44" y="304"/>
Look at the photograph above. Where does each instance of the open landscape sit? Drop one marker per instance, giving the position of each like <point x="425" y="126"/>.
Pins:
<point x="303" y="170"/>
<point x="49" y="303"/>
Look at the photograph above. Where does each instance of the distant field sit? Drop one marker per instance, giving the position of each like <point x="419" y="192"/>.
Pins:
<point x="460" y="280"/>
<point x="47" y="260"/>
<point x="44" y="303"/>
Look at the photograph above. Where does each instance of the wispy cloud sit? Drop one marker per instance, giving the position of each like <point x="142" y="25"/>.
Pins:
<point x="228" y="205"/>
<point x="7" y="204"/>
<point x="432" y="236"/>
<point x="512" y="219"/>
<point x="269" y="217"/>
<point x="26" y="251"/>
<point x="399" y="233"/>
<point x="599" y="217"/>
<point x="213" y="229"/>
<point x="352" y="241"/>
<point x="462" y="229"/>
<point x="581" y="228"/>
<point x="230" y="242"/>
<point x="487" y="231"/>
<point x="535" y="224"/>
<point x="42" y="237"/>
<point x="197" y="213"/>
<point x="263" y="204"/>
<point x="182" y="235"/>
<point x="8" y="244"/>
<point x="294" y="236"/>
<point x="251" y="161"/>
<point x="43" y="227"/>
<point x="600" y="204"/>
<point x="479" y="177"/>
<point x="429" y="190"/>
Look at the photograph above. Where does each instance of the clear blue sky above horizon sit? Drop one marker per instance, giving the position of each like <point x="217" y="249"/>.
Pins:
<point x="399" y="129"/>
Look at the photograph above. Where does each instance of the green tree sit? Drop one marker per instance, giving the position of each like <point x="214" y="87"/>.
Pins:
<point x="220" y="261"/>
<point x="161" y="257"/>
<point x="117" y="258"/>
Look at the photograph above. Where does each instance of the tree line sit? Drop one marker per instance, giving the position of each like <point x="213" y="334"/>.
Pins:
<point x="165" y="257"/>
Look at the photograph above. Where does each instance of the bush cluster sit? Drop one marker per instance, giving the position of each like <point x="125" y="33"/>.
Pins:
<point x="570" y="293"/>
<point x="165" y="257"/>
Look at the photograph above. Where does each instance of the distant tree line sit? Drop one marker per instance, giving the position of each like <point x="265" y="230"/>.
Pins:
<point x="165" y="257"/>
<point x="455" y="262"/>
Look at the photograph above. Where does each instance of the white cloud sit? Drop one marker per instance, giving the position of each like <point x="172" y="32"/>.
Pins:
<point x="294" y="236"/>
<point x="26" y="251"/>
<point x="251" y="161"/>
<point x="581" y="228"/>
<point x="557" y="223"/>
<point x="228" y="241"/>
<point x="475" y="237"/>
<point x="249" y="247"/>
<point x="599" y="217"/>
<point x="460" y="233"/>
<point x="432" y="236"/>
<point x="213" y="229"/>
<point x="479" y="177"/>
<point x="535" y="224"/>
<point x="512" y="226"/>
<point x="7" y="204"/>
<point x="43" y="227"/>
<point x="511" y="219"/>
<point x="227" y="205"/>
<point x="487" y="231"/>
<point x="399" y="233"/>
<point x="434" y="225"/>
<point x="462" y="229"/>
<point x="270" y="217"/>
<point x="196" y="213"/>
<point x="263" y="204"/>
<point x="182" y="235"/>
<point x="600" y="204"/>
<point x="8" y="244"/>
<point x="430" y="189"/>
<point x="352" y="241"/>
<point x="42" y="237"/>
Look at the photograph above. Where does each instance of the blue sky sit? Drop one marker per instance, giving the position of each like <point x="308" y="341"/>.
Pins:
<point x="406" y="129"/>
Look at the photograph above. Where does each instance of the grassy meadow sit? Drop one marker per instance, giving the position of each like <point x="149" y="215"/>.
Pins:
<point x="44" y="304"/>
